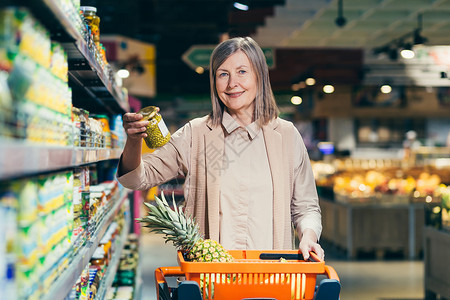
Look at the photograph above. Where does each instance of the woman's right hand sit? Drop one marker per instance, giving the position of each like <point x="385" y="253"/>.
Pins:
<point x="134" y="127"/>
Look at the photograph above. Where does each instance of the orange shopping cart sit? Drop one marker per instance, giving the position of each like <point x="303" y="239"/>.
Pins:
<point x="253" y="274"/>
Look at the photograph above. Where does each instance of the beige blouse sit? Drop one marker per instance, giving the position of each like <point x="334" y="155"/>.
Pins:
<point x="246" y="193"/>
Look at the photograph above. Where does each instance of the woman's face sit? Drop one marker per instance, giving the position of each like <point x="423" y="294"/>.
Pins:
<point x="236" y="84"/>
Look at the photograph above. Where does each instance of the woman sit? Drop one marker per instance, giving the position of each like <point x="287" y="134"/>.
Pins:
<point x="248" y="175"/>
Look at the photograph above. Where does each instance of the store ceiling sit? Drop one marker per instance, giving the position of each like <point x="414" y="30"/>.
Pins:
<point x="175" y="25"/>
<point x="369" y="23"/>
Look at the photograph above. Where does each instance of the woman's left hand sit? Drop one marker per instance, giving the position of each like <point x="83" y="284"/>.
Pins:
<point x="309" y="243"/>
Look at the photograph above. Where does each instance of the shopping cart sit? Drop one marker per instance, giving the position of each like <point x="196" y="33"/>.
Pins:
<point x="254" y="274"/>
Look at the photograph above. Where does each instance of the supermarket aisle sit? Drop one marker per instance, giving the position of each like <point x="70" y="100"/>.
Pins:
<point x="361" y="280"/>
<point x="154" y="253"/>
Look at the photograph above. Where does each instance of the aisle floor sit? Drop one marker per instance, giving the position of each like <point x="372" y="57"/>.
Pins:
<point x="361" y="279"/>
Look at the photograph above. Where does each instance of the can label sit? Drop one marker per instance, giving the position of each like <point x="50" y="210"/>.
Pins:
<point x="163" y="128"/>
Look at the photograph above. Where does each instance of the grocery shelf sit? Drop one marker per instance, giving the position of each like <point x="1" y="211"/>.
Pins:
<point x="108" y="278"/>
<point x="21" y="158"/>
<point x="63" y="285"/>
<point x="85" y="73"/>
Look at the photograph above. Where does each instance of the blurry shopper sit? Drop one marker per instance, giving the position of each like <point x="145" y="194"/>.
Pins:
<point x="248" y="174"/>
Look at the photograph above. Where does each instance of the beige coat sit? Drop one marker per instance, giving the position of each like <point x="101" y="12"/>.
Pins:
<point x="294" y="190"/>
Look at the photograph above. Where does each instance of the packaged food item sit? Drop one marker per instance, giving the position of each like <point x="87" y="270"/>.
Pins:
<point x="157" y="133"/>
<point x="90" y="15"/>
<point x="106" y="131"/>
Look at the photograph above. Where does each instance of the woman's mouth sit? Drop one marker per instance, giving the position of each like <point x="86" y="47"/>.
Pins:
<point x="235" y="95"/>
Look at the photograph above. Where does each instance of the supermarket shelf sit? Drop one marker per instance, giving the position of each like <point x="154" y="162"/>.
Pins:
<point x="97" y="236"/>
<point x="20" y="158"/>
<point x="85" y="72"/>
<point x="65" y="282"/>
<point x="113" y="265"/>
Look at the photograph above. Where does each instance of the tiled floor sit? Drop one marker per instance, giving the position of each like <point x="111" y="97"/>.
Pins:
<point x="361" y="280"/>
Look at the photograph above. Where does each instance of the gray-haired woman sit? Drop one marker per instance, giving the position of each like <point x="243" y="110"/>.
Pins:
<point x="248" y="174"/>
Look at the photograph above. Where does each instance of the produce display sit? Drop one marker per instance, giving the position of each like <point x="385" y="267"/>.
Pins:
<point x="183" y="232"/>
<point x="381" y="185"/>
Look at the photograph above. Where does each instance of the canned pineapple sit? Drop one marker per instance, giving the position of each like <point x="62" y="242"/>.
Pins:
<point x="157" y="133"/>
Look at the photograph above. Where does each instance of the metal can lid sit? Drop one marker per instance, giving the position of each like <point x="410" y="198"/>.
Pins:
<point x="148" y="112"/>
<point x="88" y="8"/>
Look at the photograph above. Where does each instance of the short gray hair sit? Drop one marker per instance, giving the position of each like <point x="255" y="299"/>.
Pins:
<point x="265" y="106"/>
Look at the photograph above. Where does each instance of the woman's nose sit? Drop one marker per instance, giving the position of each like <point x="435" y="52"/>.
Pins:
<point x="232" y="81"/>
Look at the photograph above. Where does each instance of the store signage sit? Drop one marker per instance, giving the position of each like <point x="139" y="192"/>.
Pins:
<point x="198" y="56"/>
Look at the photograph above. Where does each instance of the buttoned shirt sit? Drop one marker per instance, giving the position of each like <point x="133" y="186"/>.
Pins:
<point x="246" y="193"/>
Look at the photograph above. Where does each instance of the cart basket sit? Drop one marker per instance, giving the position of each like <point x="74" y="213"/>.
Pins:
<point x="250" y="277"/>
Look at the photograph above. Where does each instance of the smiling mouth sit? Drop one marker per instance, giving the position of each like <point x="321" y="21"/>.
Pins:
<point x="234" y="95"/>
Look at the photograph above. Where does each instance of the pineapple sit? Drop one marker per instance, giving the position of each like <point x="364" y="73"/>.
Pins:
<point x="183" y="232"/>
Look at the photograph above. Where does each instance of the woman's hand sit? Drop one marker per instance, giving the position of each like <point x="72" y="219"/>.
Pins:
<point x="308" y="242"/>
<point x="135" y="130"/>
<point x="134" y="127"/>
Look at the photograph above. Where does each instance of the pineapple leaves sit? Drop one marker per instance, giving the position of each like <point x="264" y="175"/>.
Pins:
<point x="182" y="230"/>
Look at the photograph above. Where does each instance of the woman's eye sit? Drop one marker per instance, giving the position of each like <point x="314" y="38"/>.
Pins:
<point x="223" y="74"/>
<point x="242" y="71"/>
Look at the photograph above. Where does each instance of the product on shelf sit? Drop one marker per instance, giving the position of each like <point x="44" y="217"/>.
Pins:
<point x="124" y="285"/>
<point x="93" y="21"/>
<point x="92" y="283"/>
<point x="106" y="131"/>
<point x="38" y="214"/>
<point x="51" y="219"/>
<point x="38" y="108"/>
<point x="118" y="136"/>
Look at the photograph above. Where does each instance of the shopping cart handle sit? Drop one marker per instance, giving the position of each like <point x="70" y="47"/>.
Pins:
<point x="288" y="256"/>
<point x="277" y="256"/>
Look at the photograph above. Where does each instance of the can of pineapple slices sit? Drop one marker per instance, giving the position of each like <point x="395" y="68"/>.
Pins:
<point x="157" y="133"/>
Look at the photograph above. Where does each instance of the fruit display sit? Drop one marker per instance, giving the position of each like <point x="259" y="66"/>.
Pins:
<point x="381" y="185"/>
<point x="183" y="232"/>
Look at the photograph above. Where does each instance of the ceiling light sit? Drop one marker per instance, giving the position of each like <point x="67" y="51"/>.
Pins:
<point x="407" y="53"/>
<point x="240" y="6"/>
<point x="328" y="89"/>
<point x="386" y="89"/>
<point x="310" y="81"/>
<point x="296" y="100"/>
<point x="123" y="73"/>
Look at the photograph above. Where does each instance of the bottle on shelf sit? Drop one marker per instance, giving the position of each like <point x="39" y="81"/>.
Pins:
<point x="90" y="15"/>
